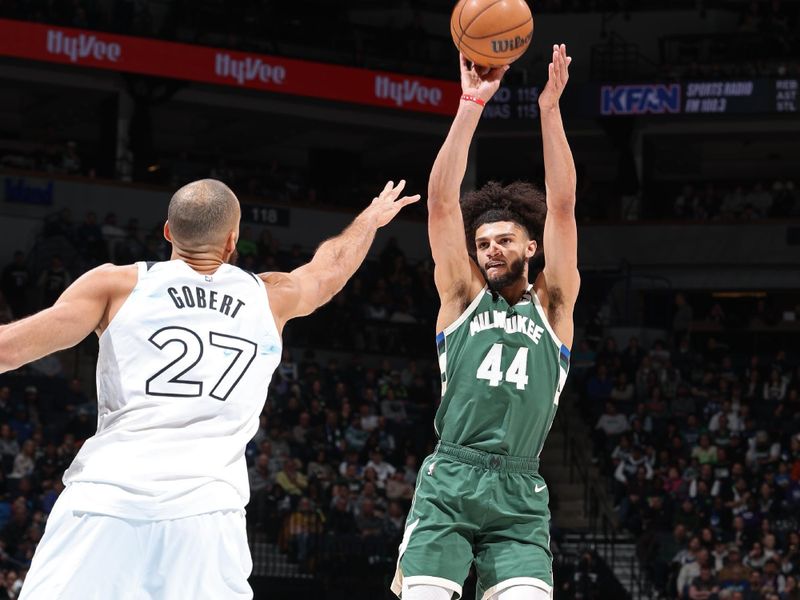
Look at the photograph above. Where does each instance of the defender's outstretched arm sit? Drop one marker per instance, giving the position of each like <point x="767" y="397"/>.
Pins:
<point x="305" y="289"/>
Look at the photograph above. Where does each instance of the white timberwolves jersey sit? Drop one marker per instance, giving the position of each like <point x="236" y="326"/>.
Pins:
<point x="182" y="377"/>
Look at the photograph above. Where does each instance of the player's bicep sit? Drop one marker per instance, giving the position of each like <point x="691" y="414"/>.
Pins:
<point x="561" y="253"/>
<point x="294" y="294"/>
<point x="78" y="312"/>
<point x="453" y="267"/>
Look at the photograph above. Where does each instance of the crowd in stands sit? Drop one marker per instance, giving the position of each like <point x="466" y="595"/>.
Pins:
<point x="700" y="444"/>
<point x="43" y="420"/>
<point x="333" y="464"/>
<point x="177" y="18"/>
<point x="336" y="458"/>
<point x="58" y="158"/>
<point x="765" y="44"/>
<point x="276" y="181"/>
<point x="701" y="447"/>
<point x="356" y="32"/>
<point x="388" y="292"/>
<point x="331" y="469"/>
<point x="739" y="202"/>
<point x="732" y="69"/>
<point x="723" y="201"/>
<point x="767" y="16"/>
<point x="29" y="283"/>
<point x="149" y="17"/>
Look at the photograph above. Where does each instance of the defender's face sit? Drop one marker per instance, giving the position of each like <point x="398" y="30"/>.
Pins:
<point x="503" y="250"/>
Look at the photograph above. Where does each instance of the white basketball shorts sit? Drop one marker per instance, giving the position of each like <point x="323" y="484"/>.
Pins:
<point x="85" y="556"/>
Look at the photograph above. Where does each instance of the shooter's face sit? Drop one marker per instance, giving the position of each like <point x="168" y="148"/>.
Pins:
<point x="503" y="250"/>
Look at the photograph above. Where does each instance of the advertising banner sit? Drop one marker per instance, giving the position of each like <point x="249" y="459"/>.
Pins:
<point x="100" y="50"/>
<point x="746" y="96"/>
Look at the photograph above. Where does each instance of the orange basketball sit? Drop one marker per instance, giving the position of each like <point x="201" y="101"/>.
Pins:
<point x="492" y="33"/>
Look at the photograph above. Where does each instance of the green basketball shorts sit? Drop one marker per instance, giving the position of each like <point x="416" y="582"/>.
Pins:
<point x="471" y="505"/>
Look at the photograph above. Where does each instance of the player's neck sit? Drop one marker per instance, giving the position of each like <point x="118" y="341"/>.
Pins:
<point x="514" y="292"/>
<point x="205" y="263"/>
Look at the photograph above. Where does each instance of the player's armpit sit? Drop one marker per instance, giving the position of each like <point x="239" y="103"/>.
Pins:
<point x="81" y="309"/>
<point x="454" y="269"/>
<point x="561" y="251"/>
<point x="560" y="278"/>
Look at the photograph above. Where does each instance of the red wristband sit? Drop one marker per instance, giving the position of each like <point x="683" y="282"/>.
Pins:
<point x="474" y="99"/>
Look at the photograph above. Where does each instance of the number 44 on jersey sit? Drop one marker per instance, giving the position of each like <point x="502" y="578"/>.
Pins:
<point x="491" y="368"/>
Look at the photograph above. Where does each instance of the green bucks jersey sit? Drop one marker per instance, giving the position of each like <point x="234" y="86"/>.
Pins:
<point x="503" y="369"/>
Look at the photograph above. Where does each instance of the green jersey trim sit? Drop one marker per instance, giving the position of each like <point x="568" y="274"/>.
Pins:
<point x="467" y="312"/>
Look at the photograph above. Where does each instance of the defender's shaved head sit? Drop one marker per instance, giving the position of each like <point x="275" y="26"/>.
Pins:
<point x="203" y="213"/>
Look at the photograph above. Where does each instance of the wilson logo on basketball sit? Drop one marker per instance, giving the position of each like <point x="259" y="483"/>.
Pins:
<point x="249" y="69"/>
<point x="82" y="46"/>
<point x="405" y="91"/>
<point x="511" y="44"/>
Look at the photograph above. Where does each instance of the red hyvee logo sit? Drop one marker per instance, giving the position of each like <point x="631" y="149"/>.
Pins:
<point x="82" y="46"/>
<point x="406" y="90"/>
<point x="249" y="69"/>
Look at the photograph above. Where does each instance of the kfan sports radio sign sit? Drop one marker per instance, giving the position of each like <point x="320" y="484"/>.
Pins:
<point x="747" y="96"/>
<point x="172" y="60"/>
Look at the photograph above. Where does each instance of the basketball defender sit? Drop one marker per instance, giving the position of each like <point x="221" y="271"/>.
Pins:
<point x="154" y="501"/>
<point x="504" y="354"/>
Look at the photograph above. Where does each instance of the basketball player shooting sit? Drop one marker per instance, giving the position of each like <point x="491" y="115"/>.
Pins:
<point x="503" y="349"/>
<point x="154" y="501"/>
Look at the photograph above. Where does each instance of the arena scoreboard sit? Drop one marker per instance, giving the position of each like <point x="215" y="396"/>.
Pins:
<point x="513" y="103"/>
<point x="259" y="214"/>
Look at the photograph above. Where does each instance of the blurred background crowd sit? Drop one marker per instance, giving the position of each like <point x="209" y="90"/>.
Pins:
<point x="674" y="462"/>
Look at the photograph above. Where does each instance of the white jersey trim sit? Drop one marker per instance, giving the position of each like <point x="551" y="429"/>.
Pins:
<point x="562" y="378"/>
<point x="467" y="311"/>
<point x="272" y="324"/>
<point x="141" y="270"/>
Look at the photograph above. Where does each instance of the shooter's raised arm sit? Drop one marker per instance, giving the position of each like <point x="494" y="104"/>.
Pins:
<point x="560" y="276"/>
<point x="457" y="278"/>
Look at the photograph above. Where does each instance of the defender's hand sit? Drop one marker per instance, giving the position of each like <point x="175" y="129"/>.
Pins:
<point x="558" y="75"/>
<point x="484" y="83"/>
<point x="385" y="207"/>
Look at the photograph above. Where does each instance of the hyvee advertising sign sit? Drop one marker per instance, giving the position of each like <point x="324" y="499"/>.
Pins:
<point x="172" y="60"/>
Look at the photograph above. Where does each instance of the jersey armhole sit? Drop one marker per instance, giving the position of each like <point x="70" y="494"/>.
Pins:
<point x="463" y="316"/>
<point x="271" y="324"/>
<point x="142" y="268"/>
<point x="559" y="344"/>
